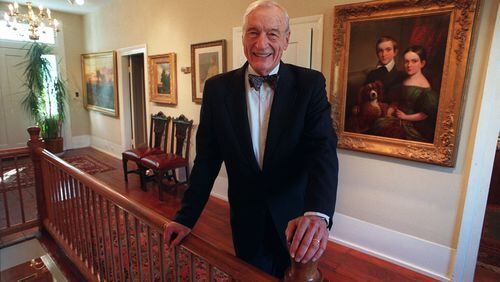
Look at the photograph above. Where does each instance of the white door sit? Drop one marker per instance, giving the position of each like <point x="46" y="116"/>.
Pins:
<point x="13" y="118"/>
<point x="304" y="48"/>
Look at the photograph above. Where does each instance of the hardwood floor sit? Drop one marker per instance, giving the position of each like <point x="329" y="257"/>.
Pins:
<point x="338" y="263"/>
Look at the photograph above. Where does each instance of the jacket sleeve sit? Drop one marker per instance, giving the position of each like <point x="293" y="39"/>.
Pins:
<point x="320" y="145"/>
<point x="206" y="166"/>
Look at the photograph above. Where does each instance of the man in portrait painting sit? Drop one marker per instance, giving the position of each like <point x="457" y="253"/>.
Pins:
<point x="386" y="70"/>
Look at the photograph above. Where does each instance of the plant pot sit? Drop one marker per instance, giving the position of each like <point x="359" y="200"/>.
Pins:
<point x="54" y="145"/>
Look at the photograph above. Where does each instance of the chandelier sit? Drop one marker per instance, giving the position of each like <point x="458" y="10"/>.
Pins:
<point x="36" y="21"/>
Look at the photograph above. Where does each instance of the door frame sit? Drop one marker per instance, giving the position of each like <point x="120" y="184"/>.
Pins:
<point x="483" y="141"/>
<point x="125" y="92"/>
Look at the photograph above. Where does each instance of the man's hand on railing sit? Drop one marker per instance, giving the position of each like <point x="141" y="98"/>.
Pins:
<point x="307" y="237"/>
<point x="174" y="232"/>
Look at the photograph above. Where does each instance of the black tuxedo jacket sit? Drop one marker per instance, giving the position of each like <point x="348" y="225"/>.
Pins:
<point x="388" y="79"/>
<point x="300" y="165"/>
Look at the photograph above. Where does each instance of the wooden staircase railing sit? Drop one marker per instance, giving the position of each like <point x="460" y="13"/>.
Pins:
<point x="112" y="238"/>
<point x="16" y="211"/>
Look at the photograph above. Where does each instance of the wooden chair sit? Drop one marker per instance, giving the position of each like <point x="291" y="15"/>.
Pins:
<point x="178" y="157"/>
<point x="158" y="134"/>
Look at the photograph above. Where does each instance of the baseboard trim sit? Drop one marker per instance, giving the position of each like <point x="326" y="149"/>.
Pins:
<point x="419" y="255"/>
<point x="107" y="147"/>
<point x="219" y="189"/>
<point x="80" y="141"/>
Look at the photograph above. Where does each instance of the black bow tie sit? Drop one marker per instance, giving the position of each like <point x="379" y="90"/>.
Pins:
<point x="256" y="81"/>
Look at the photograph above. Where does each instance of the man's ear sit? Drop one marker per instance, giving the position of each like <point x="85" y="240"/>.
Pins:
<point x="287" y="40"/>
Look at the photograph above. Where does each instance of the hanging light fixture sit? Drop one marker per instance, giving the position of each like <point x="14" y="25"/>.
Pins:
<point x="36" y="21"/>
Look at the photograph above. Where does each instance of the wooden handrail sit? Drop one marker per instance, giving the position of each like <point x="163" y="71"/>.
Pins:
<point x="107" y="235"/>
<point x="8" y="153"/>
<point x="132" y="206"/>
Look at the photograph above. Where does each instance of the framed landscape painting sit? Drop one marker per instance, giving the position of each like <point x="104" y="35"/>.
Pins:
<point x="100" y="82"/>
<point x="207" y="60"/>
<point x="398" y="76"/>
<point x="162" y="79"/>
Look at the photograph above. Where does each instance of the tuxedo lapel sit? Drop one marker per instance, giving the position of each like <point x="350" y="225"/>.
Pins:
<point x="283" y="101"/>
<point x="236" y="105"/>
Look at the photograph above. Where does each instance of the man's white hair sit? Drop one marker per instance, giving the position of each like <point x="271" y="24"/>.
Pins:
<point x="266" y="4"/>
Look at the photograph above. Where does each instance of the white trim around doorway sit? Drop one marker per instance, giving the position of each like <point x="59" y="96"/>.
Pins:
<point x="124" y="90"/>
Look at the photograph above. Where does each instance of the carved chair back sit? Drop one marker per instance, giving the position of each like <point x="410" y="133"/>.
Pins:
<point x="181" y="135"/>
<point x="158" y="132"/>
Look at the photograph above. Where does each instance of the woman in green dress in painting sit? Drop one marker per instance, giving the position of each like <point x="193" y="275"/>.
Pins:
<point x="412" y="114"/>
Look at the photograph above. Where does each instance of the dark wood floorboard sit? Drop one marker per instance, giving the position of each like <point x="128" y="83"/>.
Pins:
<point x="339" y="263"/>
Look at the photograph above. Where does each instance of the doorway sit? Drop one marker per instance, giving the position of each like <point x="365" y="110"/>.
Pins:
<point x="488" y="259"/>
<point x="134" y="108"/>
<point x="137" y="100"/>
<point x="14" y="120"/>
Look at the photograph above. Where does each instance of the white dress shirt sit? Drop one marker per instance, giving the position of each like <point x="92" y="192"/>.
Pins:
<point x="259" y="110"/>
<point x="389" y="65"/>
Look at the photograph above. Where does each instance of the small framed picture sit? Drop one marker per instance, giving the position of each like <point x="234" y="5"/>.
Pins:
<point x="207" y="59"/>
<point x="99" y="82"/>
<point x="162" y="79"/>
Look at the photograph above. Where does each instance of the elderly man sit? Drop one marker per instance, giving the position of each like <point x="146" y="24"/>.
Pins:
<point x="269" y="122"/>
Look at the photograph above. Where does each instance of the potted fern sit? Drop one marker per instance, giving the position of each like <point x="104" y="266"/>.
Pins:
<point x="46" y="95"/>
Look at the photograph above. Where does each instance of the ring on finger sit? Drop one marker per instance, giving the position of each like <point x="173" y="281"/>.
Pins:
<point x="316" y="241"/>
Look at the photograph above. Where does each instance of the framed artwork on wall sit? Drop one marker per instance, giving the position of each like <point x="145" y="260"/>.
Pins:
<point x="207" y="60"/>
<point x="100" y="82"/>
<point x="163" y="78"/>
<point x="398" y="77"/>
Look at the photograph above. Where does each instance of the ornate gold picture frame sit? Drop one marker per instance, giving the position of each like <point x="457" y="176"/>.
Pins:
<point x="100" y="85"/>
<point x="398" y="76"/>
<point x="162" y="79"/>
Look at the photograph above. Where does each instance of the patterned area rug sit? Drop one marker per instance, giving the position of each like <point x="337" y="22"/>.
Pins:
<point x="24" y="168"/>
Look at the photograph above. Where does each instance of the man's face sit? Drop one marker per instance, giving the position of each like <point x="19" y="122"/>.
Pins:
<point x="386" y="52"/>
<point x="265" y="38"/>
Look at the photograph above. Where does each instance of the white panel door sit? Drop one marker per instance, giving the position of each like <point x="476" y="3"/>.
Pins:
<point x="13" y="118"/>
<point x="299" y="46"/>
<point x="305" y="46"/>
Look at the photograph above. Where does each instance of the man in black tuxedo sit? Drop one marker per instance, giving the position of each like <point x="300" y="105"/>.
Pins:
<point x="269" y="122"/>
<point x="386" y="70"/>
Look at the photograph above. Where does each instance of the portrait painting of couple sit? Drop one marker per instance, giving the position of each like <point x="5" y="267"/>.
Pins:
<point x="394" y="76"/>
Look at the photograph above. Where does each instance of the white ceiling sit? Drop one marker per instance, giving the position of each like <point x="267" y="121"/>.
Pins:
<point x="64" y="5"/>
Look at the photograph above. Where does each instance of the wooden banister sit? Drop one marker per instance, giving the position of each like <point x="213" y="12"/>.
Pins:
<point x="111" y="237"/>
<point x="14" y="166"/>
<point x="36" y="142"/>
<point x="10" y="153"/>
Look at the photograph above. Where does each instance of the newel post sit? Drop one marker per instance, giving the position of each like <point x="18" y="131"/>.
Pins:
<point x="34" y="143"/>
<point x="307" y="272"/>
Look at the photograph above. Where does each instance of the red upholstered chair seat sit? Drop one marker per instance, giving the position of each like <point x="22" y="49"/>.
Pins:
<point x="139" y="153"/>
<point x="158" y="134"/>
<point x="164" y="162"/>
